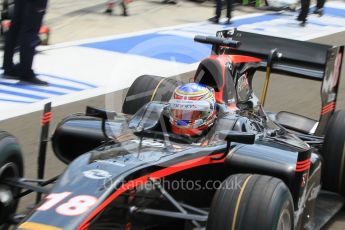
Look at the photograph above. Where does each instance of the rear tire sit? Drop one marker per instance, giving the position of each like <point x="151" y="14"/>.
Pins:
<point x="11" y="166"/>
<point x="246" y="201"/>
<point x="148" y="88"/>
<point x="333" y="152"/>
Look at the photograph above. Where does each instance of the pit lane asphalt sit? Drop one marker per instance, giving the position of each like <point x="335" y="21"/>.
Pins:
<point x="79" y="19"/>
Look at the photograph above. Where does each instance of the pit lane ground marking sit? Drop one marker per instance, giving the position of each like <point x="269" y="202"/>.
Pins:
<point x="98" y="66"/>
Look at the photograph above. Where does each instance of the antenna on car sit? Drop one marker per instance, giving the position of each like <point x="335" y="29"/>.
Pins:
<point x="42" y="152"/>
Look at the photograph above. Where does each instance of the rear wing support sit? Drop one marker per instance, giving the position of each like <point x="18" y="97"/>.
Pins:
<point x="274" y="54"/>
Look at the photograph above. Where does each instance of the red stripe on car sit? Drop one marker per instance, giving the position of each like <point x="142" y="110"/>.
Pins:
<point x="155" y="175"/>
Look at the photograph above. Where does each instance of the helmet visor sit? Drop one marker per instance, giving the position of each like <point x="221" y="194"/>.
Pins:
<point x="185" y="113"/>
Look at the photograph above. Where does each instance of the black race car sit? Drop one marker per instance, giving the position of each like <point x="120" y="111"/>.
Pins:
<point x="251" y="170"/>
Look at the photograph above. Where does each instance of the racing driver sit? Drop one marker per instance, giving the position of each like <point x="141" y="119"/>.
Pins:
<point x="192" y="109"/>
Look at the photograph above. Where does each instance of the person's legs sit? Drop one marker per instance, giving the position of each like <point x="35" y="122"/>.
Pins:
<point x="319" y="7"/>
<point x="218" y="8"/>
<point x="12" y="36"/>
<point x="304" y="11"/>
<point x="31" y="26"/>
<point x="215" y="19"/>
<point x="124" y="7"/>
<point x="32" y="22"/>
<point x="228" y="10"/>
<point x="320" y="4"/>
<point x="110" y="7"/>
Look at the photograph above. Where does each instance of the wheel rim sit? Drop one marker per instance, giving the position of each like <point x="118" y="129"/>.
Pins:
<point x="7" y="171"/>
<point x="284" y="222"/>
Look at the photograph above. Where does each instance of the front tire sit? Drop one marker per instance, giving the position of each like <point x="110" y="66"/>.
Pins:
<point x="333" y="152"/>
<point x="148" y="88"/>
<point x="11" y="166"/>
<point x="247" y="201"/>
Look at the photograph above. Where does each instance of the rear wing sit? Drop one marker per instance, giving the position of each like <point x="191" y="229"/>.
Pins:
<point x="301" y="59"/>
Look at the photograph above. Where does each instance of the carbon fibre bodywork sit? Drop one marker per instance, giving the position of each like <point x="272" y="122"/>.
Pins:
<point x="137" y="160"/>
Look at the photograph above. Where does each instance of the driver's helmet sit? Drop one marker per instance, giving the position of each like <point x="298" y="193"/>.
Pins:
<point x="192" y="109"/>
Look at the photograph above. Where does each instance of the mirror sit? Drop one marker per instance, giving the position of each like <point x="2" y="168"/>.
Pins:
<point x="239" y="137"/>
<point x="100" y="113"/>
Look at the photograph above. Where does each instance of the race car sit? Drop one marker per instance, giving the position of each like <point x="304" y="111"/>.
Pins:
<point x="251" y="170"/>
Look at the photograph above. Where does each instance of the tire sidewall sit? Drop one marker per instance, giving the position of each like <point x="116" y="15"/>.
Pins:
<point x="148" y="88"/>
<point x="255" y="208"/>
<point x="10" y="152"/>
<point x="286" y="204"/>
<point x="280" y="201"/>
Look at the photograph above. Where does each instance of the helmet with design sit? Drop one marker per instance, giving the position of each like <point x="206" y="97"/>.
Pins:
<point x="192" y="109"/>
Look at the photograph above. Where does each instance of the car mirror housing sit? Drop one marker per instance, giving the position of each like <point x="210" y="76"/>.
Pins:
<point x="100" y="113"/>
<point x="239" y="137"/>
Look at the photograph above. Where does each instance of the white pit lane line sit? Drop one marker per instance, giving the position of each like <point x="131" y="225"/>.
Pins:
<point x="108" y="71"/>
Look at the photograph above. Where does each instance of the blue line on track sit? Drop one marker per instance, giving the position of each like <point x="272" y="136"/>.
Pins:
<point x="16" y="101"/>
<point x="66" y="87"/>
<point x="82" y="86"/>
<point x="31" y="88"/>
<point x="335" y="12"/>
<point x="69" y="80"/>
<point x="22" y="94"/>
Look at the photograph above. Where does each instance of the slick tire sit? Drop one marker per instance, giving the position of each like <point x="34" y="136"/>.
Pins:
<point x="333" y="152"/>
<point x="11" y="166"/>
<point x="247" y="201"/>
<point x="148" y="88"/>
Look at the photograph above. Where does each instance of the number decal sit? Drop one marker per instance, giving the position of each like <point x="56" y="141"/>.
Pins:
<point x="76" y="205"/>
<point x="52" y="200"/>
<point x="73" y="207"/>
